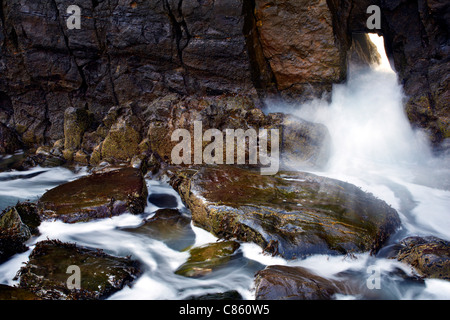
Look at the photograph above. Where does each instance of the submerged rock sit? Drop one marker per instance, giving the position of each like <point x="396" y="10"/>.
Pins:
<point x="430" y="256"/>
<point x="99" y="195"/>
<point x="206" y="259"/>
<point x="292" y="214"/>
<point x="169" y="226"/>
<point x="163" y="200"/>
<point x="101" y="274"/>
<point x="227" y="295"/>
<point x="295" y="283"/>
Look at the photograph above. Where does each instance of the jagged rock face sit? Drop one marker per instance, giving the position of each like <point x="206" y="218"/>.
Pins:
<point x="129" y="53"/>
<point x="417" y="33"/>
<point x="138" y="51"/>
<point x="124" y="51"/>
<point x="298" y="41"/>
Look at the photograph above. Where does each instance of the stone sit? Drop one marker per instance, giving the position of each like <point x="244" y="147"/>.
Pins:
<point x="76" y="121"/>
<point x="208" y="258"/>
<point x="277" y="282"/>
<point x="13" y="234"/>
<point x="101" y="275"/>
<point x="100" y="195"/>
<point x="123" y="139"/>
<point x="298" y="41"/>
<point x="163" y="200"/>
<point x="292" y="214"/>
<point x="429" y="256"/>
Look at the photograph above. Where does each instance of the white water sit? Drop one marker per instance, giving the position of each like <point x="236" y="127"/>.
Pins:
<point x="374" y="147"/>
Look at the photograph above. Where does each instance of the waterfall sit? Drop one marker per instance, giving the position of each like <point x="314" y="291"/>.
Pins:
<point x="375" y="147"/>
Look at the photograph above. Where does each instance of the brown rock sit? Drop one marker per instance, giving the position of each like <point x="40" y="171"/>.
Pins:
<point x="99" y="195"/>
<point x="295" y="283"/>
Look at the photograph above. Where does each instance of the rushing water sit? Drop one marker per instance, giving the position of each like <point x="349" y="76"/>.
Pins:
<point x="374" y="147"/>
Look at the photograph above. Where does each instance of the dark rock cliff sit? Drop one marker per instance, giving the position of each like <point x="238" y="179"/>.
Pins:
<point x="129" y="53"/>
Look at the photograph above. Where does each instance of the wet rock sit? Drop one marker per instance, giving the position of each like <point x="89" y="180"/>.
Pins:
<point x="14" y="162"/>
<point x="45" y="274"/>
<point x="292" y="214"/>
<point x="429" y="256"/>
<point x="295" y="283"/>
<point x="99" y="195"/>
<point x="13" y="234"/>
<point x="163" y="200"/>
<point x="29" y="215"/>
<point x="169" y="226"/>
<point x="14" y="293"/>
<point x="9" y="140"/>
<point x="298" y="41"/>
<point x="204" y="260"/>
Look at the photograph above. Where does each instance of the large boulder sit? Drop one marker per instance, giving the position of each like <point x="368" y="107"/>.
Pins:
<point x="292" y="214"/>
<point x="299" y="43"/>
<point x="46" y="273"/>
<point x="98" y="195"/>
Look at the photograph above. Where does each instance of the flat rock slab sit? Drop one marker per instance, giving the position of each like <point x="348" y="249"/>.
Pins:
<point x="99" y="195"/>
<point x="101" y="274"/>
<point x="292" y="214"/>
